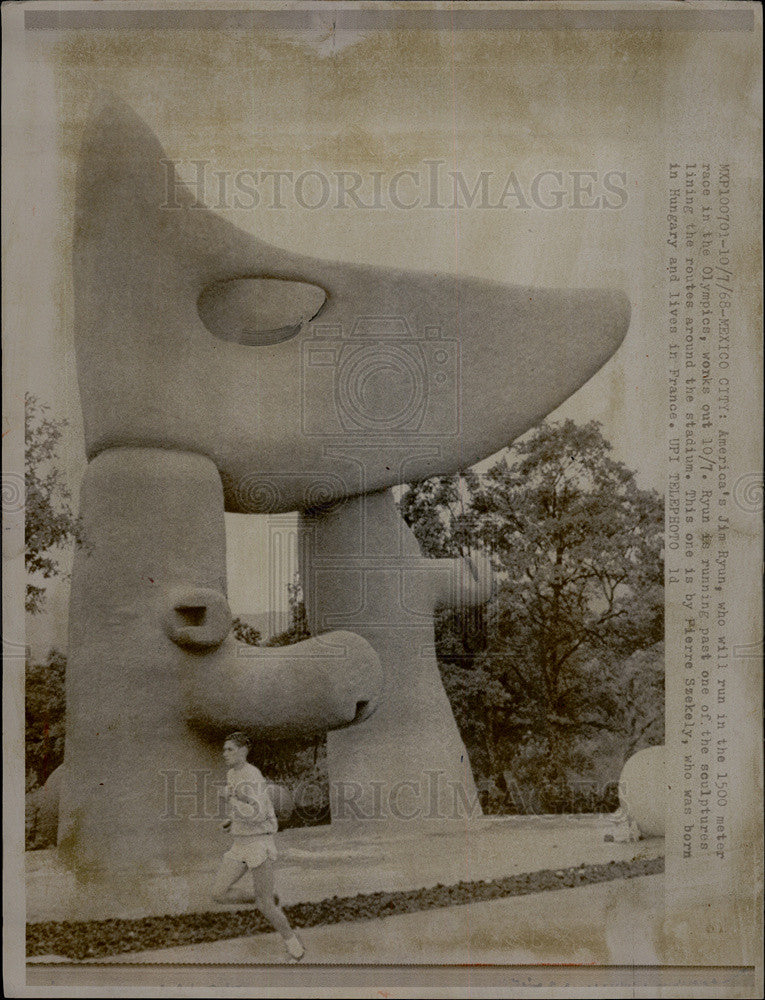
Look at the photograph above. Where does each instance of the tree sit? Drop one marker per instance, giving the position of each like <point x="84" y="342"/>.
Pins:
<point x="245" y="633"/>
<point x="50" y="523"/>
<point x="437" y="511"/>
<point x="630" y="698"/>
<point x="298" y="626"/>
<point x="583" y="570"/>
<point x="577" y="546"/>
<point x="45" y="704"/>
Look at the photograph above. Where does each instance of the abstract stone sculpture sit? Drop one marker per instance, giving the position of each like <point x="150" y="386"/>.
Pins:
<point x="218" y="373"/>
<point x="362" y="570"/>
<point x="643" y="791"/>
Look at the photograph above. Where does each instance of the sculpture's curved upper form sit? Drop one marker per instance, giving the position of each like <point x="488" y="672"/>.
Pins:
<point x="303" y="380"/>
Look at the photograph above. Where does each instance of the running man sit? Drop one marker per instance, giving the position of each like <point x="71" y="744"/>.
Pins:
<point x="252" y="823"/>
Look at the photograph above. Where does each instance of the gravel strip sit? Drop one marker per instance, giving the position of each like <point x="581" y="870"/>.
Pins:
<point x="99" y="938"/>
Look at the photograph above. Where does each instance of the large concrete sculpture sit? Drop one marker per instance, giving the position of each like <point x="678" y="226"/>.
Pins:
<point x="362" y="570"/>
<point x="221" y="373"/>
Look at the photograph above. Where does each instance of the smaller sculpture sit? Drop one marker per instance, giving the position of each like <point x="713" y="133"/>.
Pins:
<point x="643" y="791"/>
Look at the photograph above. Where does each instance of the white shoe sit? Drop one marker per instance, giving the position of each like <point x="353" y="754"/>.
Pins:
<point x="295" y="948"/>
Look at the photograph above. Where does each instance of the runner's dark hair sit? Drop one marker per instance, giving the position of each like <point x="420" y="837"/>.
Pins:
<point x="241" y="739"/>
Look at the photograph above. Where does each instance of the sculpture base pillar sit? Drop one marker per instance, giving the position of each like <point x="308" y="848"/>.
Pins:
<point x="362" y="569"/>
<point x="139" y="793"/>
<point x="407" y="763"/>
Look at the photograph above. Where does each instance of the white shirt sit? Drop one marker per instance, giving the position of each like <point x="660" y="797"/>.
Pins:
<point x="249" y="819"/>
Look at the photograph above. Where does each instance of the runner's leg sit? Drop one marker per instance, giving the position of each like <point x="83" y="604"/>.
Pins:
<point x="229" y="873"/>
<point x="263" y="890"/>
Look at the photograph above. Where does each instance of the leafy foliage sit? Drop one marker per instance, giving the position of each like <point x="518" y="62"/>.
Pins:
<point x="298" y="627"/>
<point x="245" y="633"/>
<point x="44" y="708"/>
<point x="569" y="662"/>
<point x="436" y="510"/>
<point x="50" y="523"/>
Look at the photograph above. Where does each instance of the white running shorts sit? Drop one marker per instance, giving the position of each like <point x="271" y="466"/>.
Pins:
<point x="253" y="851"/>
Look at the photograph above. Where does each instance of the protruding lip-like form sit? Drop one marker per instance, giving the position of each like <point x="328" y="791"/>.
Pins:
<point x="256" y="311"/>
<point x="325" y="682"/>
<point x="404" y="375"/>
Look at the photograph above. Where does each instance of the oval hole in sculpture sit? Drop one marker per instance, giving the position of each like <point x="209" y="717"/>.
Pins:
<point x="258" y="311"/>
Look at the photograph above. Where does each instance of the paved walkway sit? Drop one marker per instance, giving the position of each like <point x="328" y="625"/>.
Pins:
<point x="316" y="863"/>
<point x="609" y="923"/>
